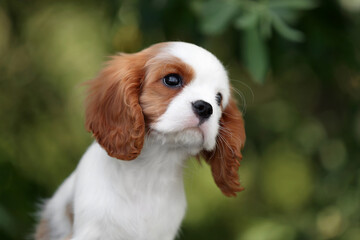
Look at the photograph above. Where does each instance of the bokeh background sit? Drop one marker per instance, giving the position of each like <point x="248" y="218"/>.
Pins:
<point x="295" y="66"/>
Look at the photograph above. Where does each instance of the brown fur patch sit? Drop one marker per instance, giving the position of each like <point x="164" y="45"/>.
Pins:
<point x="225" y="159"/>
<point x="70" y="213"/>
<point x="42" y="230"/>
<point x="155" y="96"/>
<point x="113" y="112"/>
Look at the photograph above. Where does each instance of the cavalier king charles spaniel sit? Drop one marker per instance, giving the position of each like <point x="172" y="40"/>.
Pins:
<point x="149" y="112"/>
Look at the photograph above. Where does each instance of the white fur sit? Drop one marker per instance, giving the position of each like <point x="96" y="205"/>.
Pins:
<point x="143" y="199"/>
<point x="55" y="209"/>
<point x="129" y="199"/>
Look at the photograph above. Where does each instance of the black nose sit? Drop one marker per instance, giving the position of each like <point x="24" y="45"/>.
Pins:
<point x="202" y="109"/>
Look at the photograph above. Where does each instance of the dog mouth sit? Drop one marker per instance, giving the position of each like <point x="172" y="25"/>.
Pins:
<point x="189" y="137"/>
<point x="190" y="131"/>
<point x="194" y="132"/>
<point x="195" y="129"/>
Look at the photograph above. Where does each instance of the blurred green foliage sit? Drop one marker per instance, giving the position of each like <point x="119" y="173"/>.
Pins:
<point x="295" y="65"/>
<point x="256" y="19"/>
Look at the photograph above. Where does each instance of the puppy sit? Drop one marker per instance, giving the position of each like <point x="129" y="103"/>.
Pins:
<point x="156" y="108"/>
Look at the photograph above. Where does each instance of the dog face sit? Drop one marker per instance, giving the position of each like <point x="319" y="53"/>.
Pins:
<point x="175" y="93"/>
<point x="192" y="88"/>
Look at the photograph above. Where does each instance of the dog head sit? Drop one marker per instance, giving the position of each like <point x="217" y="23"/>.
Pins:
<point x="175" y="93"/>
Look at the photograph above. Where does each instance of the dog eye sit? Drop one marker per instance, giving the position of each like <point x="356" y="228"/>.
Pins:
<point x="173" y="80"/>
<point x="218" y="98"/>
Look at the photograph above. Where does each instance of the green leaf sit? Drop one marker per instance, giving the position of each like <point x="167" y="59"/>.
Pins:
<point x="255" y="54"/>
<point x="288" y="15"/>
<point x="216" y="15"/>
<point x="246" y="20"/>
<point x="293" y="4"/>
<point x="265" y="24"/>
<point x="286" y="31"/>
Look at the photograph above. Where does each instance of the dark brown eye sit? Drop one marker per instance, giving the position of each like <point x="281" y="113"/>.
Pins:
<point x="173" y="80"/>
<point x="218" y="98"/>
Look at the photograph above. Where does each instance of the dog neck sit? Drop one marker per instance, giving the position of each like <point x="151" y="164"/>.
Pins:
<point x="157" y="170"/>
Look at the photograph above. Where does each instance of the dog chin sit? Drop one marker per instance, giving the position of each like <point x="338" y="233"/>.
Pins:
<point x="191" y="139"/>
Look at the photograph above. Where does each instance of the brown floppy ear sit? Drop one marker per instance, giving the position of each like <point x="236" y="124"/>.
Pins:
<point x="113" y="112"/>
<point x="224" y="159"/>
